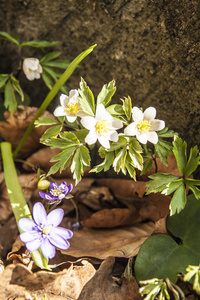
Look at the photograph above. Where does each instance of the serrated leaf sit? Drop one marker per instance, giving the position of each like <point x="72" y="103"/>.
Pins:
<point x="172" y="186"/>
<point x="127" y="107"/>
<point x="137" y="159"/>
<point x="130" y="168"/>
<point x="166" y="133"/>
<point x="9" y="37"/>
<point x="3" y="79"/>
<point x="51" y="132"/>
<point x="70" y="137"/>
<point x="178" y="200"/>
<point x="115" y="109"/>
<point x="106" y="93"/>
<point x="159" y="182"/>
<point x="86" y="98"/>
<point x="81" y="135"/>
<point x="66" y="140"/>
<point x="17" y="87"/>
<point x="119" y="161"/>
<point x="85" y="155"/>
<point x="106" y="164"/>
<point x="192" y="183"/>
<point x="162" y="153"/>
<point x="193" y="161"/>
<point x="179" y="150"/>
<point x="10" y="101"/>
<point x="45" y="121"/>
<point x="39" y="44"/>
<point x="77" y="166"/>
<point x="147" y="166"/>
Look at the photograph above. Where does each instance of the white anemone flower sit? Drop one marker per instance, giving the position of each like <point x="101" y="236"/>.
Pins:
<point x="102" y="127"/>
<point x="32" y="68"/>
<point x="145" y="125"/>
<point x="70" y="107"/>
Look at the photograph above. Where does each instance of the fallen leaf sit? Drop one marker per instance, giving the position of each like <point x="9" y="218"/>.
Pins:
<point x="8" y="234"/>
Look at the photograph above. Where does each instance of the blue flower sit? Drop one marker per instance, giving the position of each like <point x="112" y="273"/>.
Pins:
<point x="43" y="231"/>
<point x="57" y="192"/>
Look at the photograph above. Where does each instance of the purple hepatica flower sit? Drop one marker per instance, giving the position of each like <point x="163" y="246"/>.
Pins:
<point x="57" y="192"/>
<point x="43" y="231"/>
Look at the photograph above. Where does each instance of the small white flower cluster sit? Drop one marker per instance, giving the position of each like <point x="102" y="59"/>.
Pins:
<point x="103" y="127"/>
<point x="32" y="68"/>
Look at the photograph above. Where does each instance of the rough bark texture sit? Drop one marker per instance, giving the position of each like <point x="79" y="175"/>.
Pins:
<point x="151" y="48"/>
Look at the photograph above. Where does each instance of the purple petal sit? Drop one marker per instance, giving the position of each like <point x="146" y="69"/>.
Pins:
<point x="53" y="185"/>
<point x="47" y="196"/>
<point x="63" y="232"/>
<point x="48" y="249"/>
<point x="61" y="196"/>
<point x="34" y="245"/>
<point x="26" y="224"/>
<point x="58" y="241"/>
<point x="39" y="214"/>
<point x="64" y="187"/>
<point x="30" y="236"/>
<point x="55" y="217"/>
<point x="70" y="187"/>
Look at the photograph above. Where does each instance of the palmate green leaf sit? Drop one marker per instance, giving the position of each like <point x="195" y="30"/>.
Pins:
<point x="81" y="135"/>
<point x="127" y="107"/>
<point x="192" y="185"/>
<point x="9" y="37"/>
<point x="159" y="182"/>
<point x="3" y="79"/>
<point x="80" y="161"/>
<point x="192" y="162"/>
<point x="45" y="121"/>
<point x="51" y="132"/>
<point x="86" y="98"/>
<point x="160" y="256"/>
<point x="178" y="200"/>
<point x="39" y="44"/>
<point x="179" y="150"/>
<point x="106" y="93"/>
<point x="172" y="186"/>
<point x="66" y="140"/>
<point x="106" y="164"/>
<point x="10" y="101"/>
<point x="16" y="85"/>
<point x="162" y="153"/>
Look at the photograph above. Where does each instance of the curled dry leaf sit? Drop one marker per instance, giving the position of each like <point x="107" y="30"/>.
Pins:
<point x="119" y="242"/>
<point x="110" y="218"/>
<point x="15" y="126"/>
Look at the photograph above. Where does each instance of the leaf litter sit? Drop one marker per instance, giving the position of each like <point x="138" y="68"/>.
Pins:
<point x="115" y="219"/>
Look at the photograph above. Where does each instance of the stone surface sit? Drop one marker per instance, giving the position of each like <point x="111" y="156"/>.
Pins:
<point x="151" y="48"/>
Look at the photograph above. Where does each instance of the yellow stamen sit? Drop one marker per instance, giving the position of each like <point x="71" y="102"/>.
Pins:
<point x="45" y="230"/>
<point x="143" y="126"/>
<point x="102" y="126"/>
<point x="56" y="192"/>
<point x="72" y="108"/>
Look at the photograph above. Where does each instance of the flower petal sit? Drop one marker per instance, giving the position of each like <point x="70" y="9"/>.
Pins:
<point x="48" y="249"/>
<point x="58" y="241"/>
<point x="30" y="236"/>
<point x="34" y="245"/>
<point x="59" y="111"/>
<point x="26" y="224"/>
<point x="73" y="93"/>
<point x="55" y="217"/>
<point x="88" y="122"/>
<point x="114" y="136"/>
<point x="71" y="118"/>
<point x="152" y="137"/>
<point x="30" y="76"/>
<point x="137" y="114"/>
<point x="150" y="113"/>
<point x="104" y="141"/>
<point x="131" y="129"/>
<point x="142" y="138"/>
<point x="63" y="232"/>
<point x="53" y="185"/>
<point x="70" y="187"/>
<point x="64" y="99"/>
<point x="91" y="138"/>
<point x="157" y="125"/>
<point x="47" y="196"/>
<point x="63" y="187"/>
<point x="117" y="124"/>
<point x="39" y="214"/>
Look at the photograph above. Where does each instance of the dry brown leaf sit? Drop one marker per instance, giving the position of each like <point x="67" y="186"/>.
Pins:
<point x="110" y="218"/>
<point x="15" y="126"/>
<point x="119" y="242"/>
<point x="8" y="234"/>
<point x="161" y="226"/>
<point x="103" y="287"/>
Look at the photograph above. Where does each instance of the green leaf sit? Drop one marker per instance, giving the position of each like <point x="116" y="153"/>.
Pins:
<point x="119" y="161"/>
<point x="130" y="168"/>
<point x="51" y="132"/>
<point x="80" y="161"/>
<point x="10" y="101"/>
<point x="106" y="93"/>
<point x="137" y="159"/>
<point x="66" y="140"/>
<point x="193" y="161"/>
<point x="45" y="121"/>
<point x="178" y="200"/>
<point x="86" y="98"/>
<point x="11" y="38"/>
<point x="85" y="156"/>
<point x="47" y="79"/>
<point x="115" y="109"/>
<point x="81" y="135"/>
<point x="165" y="133"/>
<point x="50" y="56"/>
<point x="39" y="44"/>
<point x="159" y="182"/>
<point x="160" y="256"/>
<point x="179" y="151"/>
<point x="172" y="186"/>
<point x="127" y="107"/>
<point x="191" y="183"/>
<point x="3" y="79"/>
<point x="147" y="166"/>
<point x="61" y="64"/>
<point x="17" y="87"/>
<point x="106" y="164"/>
<point x="162" y="153"/>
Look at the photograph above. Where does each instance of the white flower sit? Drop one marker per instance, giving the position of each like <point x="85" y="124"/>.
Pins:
<point x="144" y="125"/>
<point x="70" y="107"/>
<point x="32" y="68"/>
<point x="102" y="127"/>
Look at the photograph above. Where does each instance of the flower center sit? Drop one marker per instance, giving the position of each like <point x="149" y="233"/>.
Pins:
<point x="72" y="108"/>
<point x="45" y="230"/>
<point x="102" y="126"/>
<point x="143" y="126"/>
<point x="56" y="192"/>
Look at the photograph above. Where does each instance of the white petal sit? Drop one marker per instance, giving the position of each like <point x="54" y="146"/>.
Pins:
<point x="30" y="76"/>
<point x="157" y="125"/>
<point x="39" y="68"/>
<point x="91" y="138"/>
<point x="64" y="99"/>
<point x="137" y="114"/>
<point x="152" y="137"/>
<point x="36" y="74"/>
<point x="101" y="112"/>
<point x="142" y="138"/>
<point x="114" y="136"/>
<point x="88" y="122"/>
<point x="117" y="124"/>
<point x="59" y="111"/>
<point x="104" y="142"/>
<point x="150" y="113"/>
<point x="71" y="118"/>
<point x="73" y="93"/>
<point x="131" y="129"/>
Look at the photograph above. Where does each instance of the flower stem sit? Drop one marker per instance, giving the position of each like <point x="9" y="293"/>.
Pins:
<point x="52" y="94"/>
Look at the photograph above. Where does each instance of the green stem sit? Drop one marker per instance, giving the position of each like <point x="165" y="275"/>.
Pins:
<point x="53" y="92"/>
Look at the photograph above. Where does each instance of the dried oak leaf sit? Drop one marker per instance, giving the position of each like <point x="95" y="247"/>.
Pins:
<point x="119" y="242"/>
<point x="103" y="287"/>
<point x="110" y="218"/>
<point x="15" y="126"/>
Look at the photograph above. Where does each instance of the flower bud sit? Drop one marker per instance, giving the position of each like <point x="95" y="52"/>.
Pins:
<point x="43" y="184"/>
<point x="32" y="68"/>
